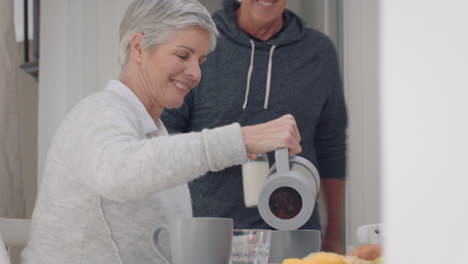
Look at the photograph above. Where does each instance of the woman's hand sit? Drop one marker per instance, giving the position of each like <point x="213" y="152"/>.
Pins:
<point x="279" y="133"/>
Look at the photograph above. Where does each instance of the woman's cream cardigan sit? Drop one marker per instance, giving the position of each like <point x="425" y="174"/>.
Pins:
<point x="112" y="175"/>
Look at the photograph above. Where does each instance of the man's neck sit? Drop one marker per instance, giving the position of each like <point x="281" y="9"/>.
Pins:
<point x="262" y="32"/>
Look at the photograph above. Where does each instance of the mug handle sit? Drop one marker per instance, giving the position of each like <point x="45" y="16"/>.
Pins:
<point x="156" y="245"/>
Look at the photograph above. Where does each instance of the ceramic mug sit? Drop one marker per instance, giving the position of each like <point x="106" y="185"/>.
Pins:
<point x="196" y="240"/>
<point x="293" y="244"/>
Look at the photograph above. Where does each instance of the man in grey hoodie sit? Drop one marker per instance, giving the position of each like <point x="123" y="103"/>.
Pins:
<point x="268" y="63"/>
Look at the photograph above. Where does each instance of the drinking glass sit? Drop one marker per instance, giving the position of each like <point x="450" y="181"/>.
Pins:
<point x="250" y="246"/>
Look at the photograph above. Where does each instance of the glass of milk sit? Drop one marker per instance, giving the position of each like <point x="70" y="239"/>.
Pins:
<point x="254" y="174"/>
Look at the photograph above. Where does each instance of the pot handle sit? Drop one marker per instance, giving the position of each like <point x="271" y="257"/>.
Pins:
<point x="282" y="160"/>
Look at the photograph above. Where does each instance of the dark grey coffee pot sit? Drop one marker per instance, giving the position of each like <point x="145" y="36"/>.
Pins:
<point x="288" y="197"/>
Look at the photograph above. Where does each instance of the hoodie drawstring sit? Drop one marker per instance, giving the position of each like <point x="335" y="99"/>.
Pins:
<point x="268" y="81"/>
<point x="249" y="76"/>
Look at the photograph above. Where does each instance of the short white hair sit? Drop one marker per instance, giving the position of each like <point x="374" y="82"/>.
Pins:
<point x="158" y="19"/>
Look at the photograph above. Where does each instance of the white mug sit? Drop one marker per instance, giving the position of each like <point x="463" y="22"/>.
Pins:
<point x="201" y="240"/>
<point x="293" y="244"/>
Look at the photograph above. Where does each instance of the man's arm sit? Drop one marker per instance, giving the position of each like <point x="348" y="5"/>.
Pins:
<point x="334" y="192"/>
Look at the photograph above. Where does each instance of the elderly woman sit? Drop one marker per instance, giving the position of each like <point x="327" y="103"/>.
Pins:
<point x="112" y="172"/>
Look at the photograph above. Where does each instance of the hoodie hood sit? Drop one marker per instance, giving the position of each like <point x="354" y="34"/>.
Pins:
<point x="293" y="28"/>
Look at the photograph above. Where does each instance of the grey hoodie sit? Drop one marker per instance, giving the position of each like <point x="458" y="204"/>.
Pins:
<point x="250" y="81"/>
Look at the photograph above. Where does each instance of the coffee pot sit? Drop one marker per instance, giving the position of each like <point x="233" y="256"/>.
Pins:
<point x="289" y="194"/>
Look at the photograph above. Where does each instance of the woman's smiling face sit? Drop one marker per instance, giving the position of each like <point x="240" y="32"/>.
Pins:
<point x="170" y="70"/>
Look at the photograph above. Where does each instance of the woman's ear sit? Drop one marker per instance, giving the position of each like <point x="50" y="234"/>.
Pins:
<point x="136" y="46"/>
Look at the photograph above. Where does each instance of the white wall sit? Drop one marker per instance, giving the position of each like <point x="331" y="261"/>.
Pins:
<point x="406" y="80"/>
<point x="361" y="80"/>
<point x="424" y="91"/>
<point x="78" y="56"/>
<point x="19" y="19"/>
